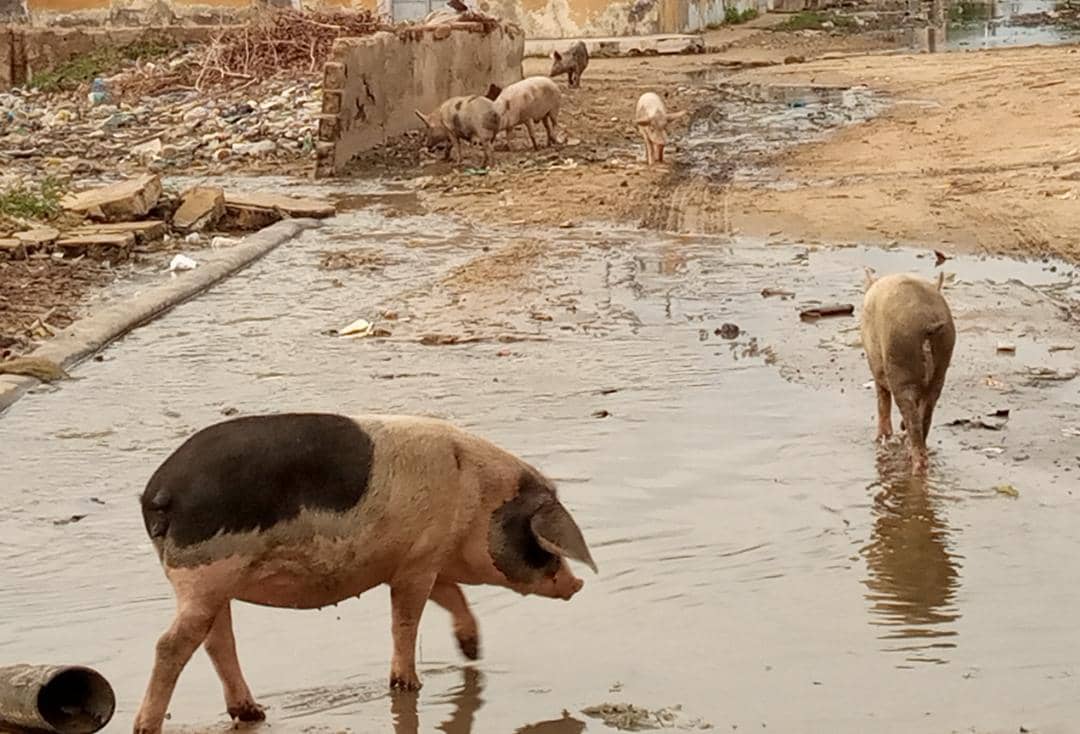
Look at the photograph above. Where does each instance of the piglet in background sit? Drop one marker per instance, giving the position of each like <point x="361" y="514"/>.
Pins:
<point x="908" y="334"/>
<point x="572" y="64"/>
<point x="652" y="119"/>
<point x="304" y="510"/>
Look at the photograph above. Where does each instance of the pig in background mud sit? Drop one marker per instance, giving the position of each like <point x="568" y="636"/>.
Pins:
<point x="533" y="99"/>
<point x="908" y="334"/>
<point x="652" y="118"/>
<point x="472" y="119"/>
<point x="303" y="510"/>
<point x="572" y="64"/>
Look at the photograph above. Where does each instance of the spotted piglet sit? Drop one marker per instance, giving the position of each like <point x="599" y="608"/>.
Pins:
<point x="303" y="510"/>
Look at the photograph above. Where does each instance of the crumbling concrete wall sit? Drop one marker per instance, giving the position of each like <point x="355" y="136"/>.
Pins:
<point x="27" y="50"/>
<point x="372" y="85"/>
<point x="605" y="18"/>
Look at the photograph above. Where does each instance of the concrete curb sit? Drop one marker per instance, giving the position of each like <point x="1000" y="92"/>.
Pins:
<point x="88" y="336"/>
<point x="616" y="46"/>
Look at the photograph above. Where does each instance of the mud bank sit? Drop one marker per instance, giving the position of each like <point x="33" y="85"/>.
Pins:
<point x="730" y="483"/>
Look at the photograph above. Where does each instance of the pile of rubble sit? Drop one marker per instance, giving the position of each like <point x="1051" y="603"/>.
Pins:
<point x="251" y="94"/>
<point x="110" y="220"/>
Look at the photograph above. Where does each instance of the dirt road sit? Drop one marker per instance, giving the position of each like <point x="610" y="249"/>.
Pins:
<point x="968" y="152"/>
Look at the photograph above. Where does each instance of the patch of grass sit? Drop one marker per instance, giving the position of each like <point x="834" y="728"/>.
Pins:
<point x="734" y="16"/>
<point x="40" y="202"/>
<point x="813" y="20"/>
<point x="85" y="67"/>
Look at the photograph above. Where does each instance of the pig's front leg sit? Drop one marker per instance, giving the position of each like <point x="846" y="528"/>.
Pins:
<point x="884" y="412"/>
<point x="450" y="597"/>
<point x="408" y="595"/>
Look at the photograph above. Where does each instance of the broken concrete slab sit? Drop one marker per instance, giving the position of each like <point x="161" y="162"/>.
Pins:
<point x="201" y="207"/>
<point x="146" y="231"/>
<point x="247" y="218"/>
<point x="672" y="43"/>
<point x="12" y="249"/>
<point x="118" y="202"/>
<point x="290" y="206"/>
<point x="103" y="246"/>
<point x="39" y="237"/>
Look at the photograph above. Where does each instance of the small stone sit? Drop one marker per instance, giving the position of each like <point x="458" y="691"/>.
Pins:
<point x="149" y="149"/>
<point x="262" y="147"/>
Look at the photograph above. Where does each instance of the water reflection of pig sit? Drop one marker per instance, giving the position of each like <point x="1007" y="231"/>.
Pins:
<point x="304" y="510"/>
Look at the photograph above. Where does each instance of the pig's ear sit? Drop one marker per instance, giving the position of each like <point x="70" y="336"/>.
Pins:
<point x="869" y="278"/>
<point x="557" y="533"/>
<point x="423" y="118"/>
<point x="556" y="56"/>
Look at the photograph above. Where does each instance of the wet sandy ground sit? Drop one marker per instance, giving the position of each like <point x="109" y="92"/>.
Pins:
<point x="761" y="564"/>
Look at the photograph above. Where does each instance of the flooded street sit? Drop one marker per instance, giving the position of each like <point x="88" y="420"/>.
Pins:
<point x="761" y="565"/>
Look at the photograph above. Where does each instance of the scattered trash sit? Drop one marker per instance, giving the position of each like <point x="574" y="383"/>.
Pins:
<point x="229" y="411"/>
<point x="615" y="687"/>
<point x="1039" y="375"/>
<point x="820" y="312"/>
<point x="769" y="292"/>
<point x="1071" y="431"/>
<point x="939" y="257"/>
<point x="628" y="717"/>
<point x="1060" y="348"/>
<point x="992" y="451"/>
<point x="1006" y="347"/>
<point x="728" y="331"/>
<point x="69" y="520"/>
<point x="995" y="421"/>
<point x="601" y="414"/>
<point x="1008" y="490"/>
<point x="182" y="262"/>
<point x="362" y="327"/>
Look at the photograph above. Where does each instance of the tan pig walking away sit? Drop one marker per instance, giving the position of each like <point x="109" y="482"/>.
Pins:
<point x="908" y="334"/>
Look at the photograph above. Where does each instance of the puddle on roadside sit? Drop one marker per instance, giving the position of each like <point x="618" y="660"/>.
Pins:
<point x="1012" y="23"/>
<point x="735" y="493"/>
<point x="735" y="130"/>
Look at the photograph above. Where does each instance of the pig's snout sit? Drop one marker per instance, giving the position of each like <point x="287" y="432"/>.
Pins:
<point x="575" y="587"/>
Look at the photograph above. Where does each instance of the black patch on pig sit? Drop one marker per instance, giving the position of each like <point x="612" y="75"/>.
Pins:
<point x="253" y="472"/>
<point x="458" y="104"/>
<point x="514" y="548"/>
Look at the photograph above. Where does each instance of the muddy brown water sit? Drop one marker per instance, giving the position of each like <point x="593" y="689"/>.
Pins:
<point x="762" y="565"/>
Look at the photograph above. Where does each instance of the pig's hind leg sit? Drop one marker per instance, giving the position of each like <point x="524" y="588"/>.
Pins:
<point x="450" y="597"/>
<point x="532" y="135"/>
<point x="195" y="616"/>
<point x="884" y="412"/>
<point x="221" y="647"/>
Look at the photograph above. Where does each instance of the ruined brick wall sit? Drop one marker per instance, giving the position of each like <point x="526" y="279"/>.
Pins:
<point x="372" y="85"/>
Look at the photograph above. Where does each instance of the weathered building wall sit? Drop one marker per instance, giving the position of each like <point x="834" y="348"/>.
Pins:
<point x="372" y="85"/>
<point x="600" y="18"/>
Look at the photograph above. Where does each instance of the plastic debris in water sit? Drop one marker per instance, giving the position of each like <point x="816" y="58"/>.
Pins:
<point x="360" y="327"/>
<point x="182" y="262"/>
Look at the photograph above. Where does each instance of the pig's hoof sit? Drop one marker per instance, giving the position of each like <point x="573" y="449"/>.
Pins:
<point x="470" y="647"/>
<point x="401" y="683"/>
<point x="248" y="711"/>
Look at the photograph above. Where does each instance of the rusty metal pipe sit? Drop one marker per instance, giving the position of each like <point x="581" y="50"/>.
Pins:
<point x="61" y="699"/>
